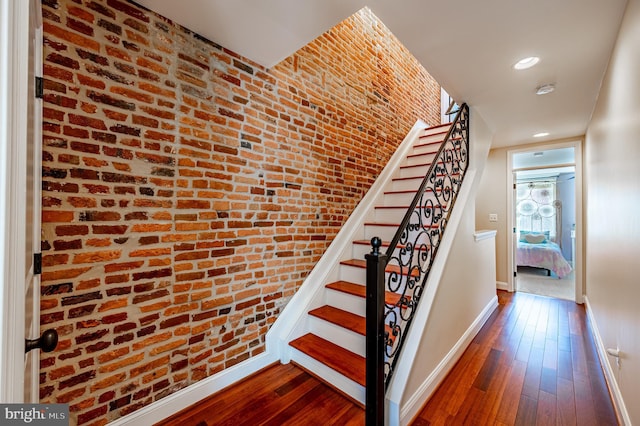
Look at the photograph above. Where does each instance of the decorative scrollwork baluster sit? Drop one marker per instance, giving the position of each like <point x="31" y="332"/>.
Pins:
<point x="413" y="248"/>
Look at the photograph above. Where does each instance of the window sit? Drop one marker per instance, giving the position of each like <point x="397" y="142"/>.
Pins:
<point x="536" y="207"/>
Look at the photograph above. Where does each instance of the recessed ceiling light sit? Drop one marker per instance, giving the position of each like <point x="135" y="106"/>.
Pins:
<point x="545" y="89"/>
<point x="525" y="63"/>
<point x="541" y="134"/>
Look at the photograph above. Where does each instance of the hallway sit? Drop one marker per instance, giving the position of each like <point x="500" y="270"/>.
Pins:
<point x="534" y="362"/>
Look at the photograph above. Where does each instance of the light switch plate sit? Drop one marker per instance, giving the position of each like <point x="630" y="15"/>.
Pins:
<point x="493" y="217"/>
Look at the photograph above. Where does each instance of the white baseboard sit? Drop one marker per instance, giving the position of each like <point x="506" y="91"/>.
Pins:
<point x="165" y="407"/>
<point x="501" y="285"/>
<point x="616" y="395"/>
<point x="425" y="390"/>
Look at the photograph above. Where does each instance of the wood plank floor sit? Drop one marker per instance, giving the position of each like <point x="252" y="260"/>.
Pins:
<point x="533" y="363"/>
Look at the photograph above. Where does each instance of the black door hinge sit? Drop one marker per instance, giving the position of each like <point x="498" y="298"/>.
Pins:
<point x="37" y="263"/>
<point x="39" y="87"/>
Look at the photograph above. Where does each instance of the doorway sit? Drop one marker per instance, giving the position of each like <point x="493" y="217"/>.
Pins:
<point x="20" y="172"/>
<point x="545" y="200"/>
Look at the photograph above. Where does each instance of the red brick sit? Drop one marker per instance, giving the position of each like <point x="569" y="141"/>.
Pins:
<point x="211" y="189"/>
<point x="57" y="73"/>
<point x="70" y="37"/>
<point x="132" y="94"/>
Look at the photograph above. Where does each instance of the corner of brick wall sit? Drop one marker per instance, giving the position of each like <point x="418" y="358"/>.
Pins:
<point x="187" y="192"/>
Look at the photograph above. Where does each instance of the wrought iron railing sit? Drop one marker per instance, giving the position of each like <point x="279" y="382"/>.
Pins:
<point x="403" y="270"/>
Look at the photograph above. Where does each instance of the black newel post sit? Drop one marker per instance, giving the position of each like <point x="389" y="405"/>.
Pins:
<point x="374" y="393"/>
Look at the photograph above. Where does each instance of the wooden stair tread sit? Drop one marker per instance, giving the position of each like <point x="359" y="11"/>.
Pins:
<point x="350" y="288"/>
<point x="437" y="142"/>
<point x="444" y="206"/>
<point x="438" y="126"/>
<point x="345" y="362"/>
<point x="421" y="154"/>
<point x="419" y="165"/>
<point x="360" y="263"/>
<point x="368" y="243"/>
<point x="408" y="178"/>
<point x="420" y="143"/>
<point x="420" y="177"/>
<point x="381" y="224"/>
<point x="359" y="290"/>
<point x="426" y="153"/>
<point x="348" y="320"/>
<point x="423" y="144"/>
<point x="384" y="244"/>
<point x="417" y="177"/>
<point x="345" y="319"/>
<point x="433" y="134"/>
<point x="390" y="224"/>
<point x="409" y="191"/>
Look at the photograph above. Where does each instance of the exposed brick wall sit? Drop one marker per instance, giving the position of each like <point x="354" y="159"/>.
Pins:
<point x="187" y="192"/>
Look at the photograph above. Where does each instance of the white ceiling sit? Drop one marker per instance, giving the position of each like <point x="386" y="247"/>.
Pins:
<point x="544" y="158"/>
<point x="468" y="46"/>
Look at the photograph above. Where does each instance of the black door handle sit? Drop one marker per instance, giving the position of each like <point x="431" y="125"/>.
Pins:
<point x="46" y="343"/>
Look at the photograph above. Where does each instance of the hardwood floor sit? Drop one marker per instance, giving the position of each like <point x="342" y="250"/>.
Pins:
<point x="282" y="394"/>
<point x="533" y="363"/>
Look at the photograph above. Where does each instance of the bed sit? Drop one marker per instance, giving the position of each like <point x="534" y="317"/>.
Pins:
<point x="536" y="250"/>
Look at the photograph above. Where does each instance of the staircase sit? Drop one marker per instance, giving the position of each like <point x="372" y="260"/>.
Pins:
<point x="331" y="341"/>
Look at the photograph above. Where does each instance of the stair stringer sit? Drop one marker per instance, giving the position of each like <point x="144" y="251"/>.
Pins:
<point x="293" y="320"/>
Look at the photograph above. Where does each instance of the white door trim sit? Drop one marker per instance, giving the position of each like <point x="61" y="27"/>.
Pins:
<point x="14" y="71"/>
<point x="578" y="266"/>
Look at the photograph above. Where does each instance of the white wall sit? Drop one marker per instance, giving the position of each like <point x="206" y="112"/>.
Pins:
<point x="491" y="198"/>
<point x="612" y="232"/>
<point x="461" y="296"/>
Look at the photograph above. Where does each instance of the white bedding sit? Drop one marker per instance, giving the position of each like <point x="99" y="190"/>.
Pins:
<point x="543" y="255"/>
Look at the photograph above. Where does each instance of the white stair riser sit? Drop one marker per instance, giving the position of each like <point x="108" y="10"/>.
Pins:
<point x="405" y="184"/>
<point x="360" y="250"/>
<point x="425" y="158"/>
<point x="346" y="302"/>
<point x="358" y="275"/>
<point x="435" y="130"/>
<point x="385" y="233"/>
<point x="394" y="214"/>
<point x="390" y="215"/>
<point x="418" y="171"/>
<point x="349" y="387"/>
<point x="355" y="275"/>
<point x="425" y="148"/>
<point x="435" y="137"/>
<point x="405" y="198"/>
<point x="348" y="339"/>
